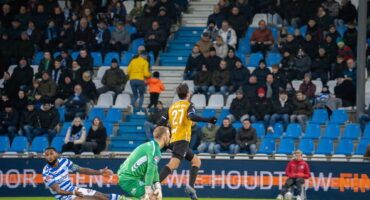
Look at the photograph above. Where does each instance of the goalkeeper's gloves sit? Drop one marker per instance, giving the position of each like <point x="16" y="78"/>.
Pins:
<point x="148" y="192"/>
<point x="158" y="190"/>
<point x="212" y="120"/>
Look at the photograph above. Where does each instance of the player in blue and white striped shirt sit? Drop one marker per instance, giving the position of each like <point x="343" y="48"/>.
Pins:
<point x="56" y="177"/>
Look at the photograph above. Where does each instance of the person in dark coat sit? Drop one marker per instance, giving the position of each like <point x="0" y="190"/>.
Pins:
<point x="261" y="72"/>
<point x="66" y="36"/>
<point x="323" y="19"/>
<point x="65" y="59"/>
<point x="155" y="39"/>
<point x="193" y="64"/>
<point x="314" y="30"/>
<point x="239" y="108"/>
<point x="225" y="137"/>
<point x="88" y="87"/>
<point x="76" y="72"/>
<point x="202" y="80"/>
<point x="102" y="38"/>
<point x="96" y="138"/>
<point x="309" y="45"/>
<point x="85" y="60"/>
<point x="239" y="76"/>
<point x="346" y="91"/>
<point x="212" y="61"/>
<point x="261" y="108"/>
<point x="307" y="87"/>
<point x="24" y="47"/>
<point x="246" y="138"/>
<point x="217" y="16"/>
<point x="282" y="108"/>
<point x="46" y="64"/>
<point x="271" y="87"/>
<point x="321" y="66"/>
<point x="75" y="137"/>
<point x="9" y="121"/>
<point x="83" y="36"/>
<point x="250" y="90"/>
<point x="287" y="66"/>
<point x="291" y="45"/>
<point x="279" y="77"/>
<point x="337" y="68"/>
<point x="47" y="120"/>
<point x="237" y="21"/>
<point x="58" y="72"/>
<point x="28" y="121"/>
<point x="20" y="103"/>
<point x="164" y="20"/>
<point x="231" y="59"/>
<point x="330" y="48"/>
<point x="114" y="79"/>
<point x="22" y="77"/>
<point x="350" y="36"/>
<point x="50" y="37"/>
<point x="302" y="110"/>
<point x="347" y="12"/>
<point x="64" y="91"/>
<point x="220" y="80"/>
<point x="76" y="104"/>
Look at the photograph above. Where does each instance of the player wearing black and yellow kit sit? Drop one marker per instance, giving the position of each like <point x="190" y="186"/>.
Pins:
<point x="180" y="117"/>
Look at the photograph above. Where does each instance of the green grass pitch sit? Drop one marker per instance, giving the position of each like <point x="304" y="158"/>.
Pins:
<point x="50" y="198"/>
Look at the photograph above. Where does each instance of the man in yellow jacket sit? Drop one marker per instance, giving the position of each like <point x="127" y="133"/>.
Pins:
<point x="138" y="71"/>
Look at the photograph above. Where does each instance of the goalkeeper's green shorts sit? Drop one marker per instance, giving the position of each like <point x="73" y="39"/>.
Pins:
<point x="132" y="188"/>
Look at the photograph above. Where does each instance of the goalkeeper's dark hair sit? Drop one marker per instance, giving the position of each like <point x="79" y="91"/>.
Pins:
<point x="51" y="148"/>
<point x="182" y="90"/>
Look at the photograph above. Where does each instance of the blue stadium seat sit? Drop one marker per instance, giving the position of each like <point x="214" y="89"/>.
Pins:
<point x="361" y="147"/>
<point x="109" y="129"/>
<point x="273" y="59"/>
<point x="114" y="115"/>
<point x="303" y="30"/>
<point x="75" y="54"/>
<point x="291" y="30"/>
<point x="237" y="125"/>
<point x="306" y="146"/>
<point x="249" y="33"/>
<point x="19" y="144"/>
<point x="344" y="147"/>
<point x="339" y="116"/>
<point x="242" y="58"/>
<point x="293" y="131"/>
<point x="38" y="57"/>
<point x="135" y="44"/>
<point x="97" y="59"/>
<point x="130" y="127"/>
<point x="278" y="131"/>
<point x="130" y="29"/>
<point x="320" y="116"/>
<point x="95" y="112"/>
<point x="207" y="113"/>
<point x="341" y="30"/>
<point x="332" y="131"/>
<point x="57" y="143"/>
<point x="127" y="56"/>
<point x="136" y="118"/>
<point x="254" y="59"/>
<point x="4" y="143"/>
<point x="62" y="112"/>
<point x="275" y="32"/>
<point x="109" y="56"/>
<point x="267" y="146"/>
<point x="244" y="47"/>
<point x="221" y="117"/>
<point x="39" y="144"/>
<point x="56" y="54"/>
<point x="260" y="129"/>
<point x="366" y="134"/>
<point x="325" y="146"/>
<point x="122" y="144"/>
<point x="352" y="132"/>
<point x="64" y="129"/>
<point x="286" y="146"/>
<point x="312" y="131"/>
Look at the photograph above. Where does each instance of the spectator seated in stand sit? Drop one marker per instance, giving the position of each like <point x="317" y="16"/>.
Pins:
<point x="96" y="139"/>
<point x="75" y="137"/>
<point x="88" y="88"/>
<point x="120" y="38"/>
<point x="47" y="120"/>
<point x="246" y="138"/>
<point x="225" y="137"/>
<point x="221" y="47"/>
<point x="155" y="39"/>
<point x="9" y="120"/>
<point x="261" y="108"/>
<point x="154" y="117"/>
<point x="239" y="76"/>
<point x="193" y="64"/>
<point x="28" y="121"/>
<point x="204" y="44"/>
<point x="202" y="80"/>
<point x="46" y="64"/>
<point x="350" y="72"/>
<point x="220" y="80"/>
<point x="239" y="108"/>
<point x="320" y="67"/>
<point x="302" y="110"/>
<point x="114" y="79"/>
<point x="261" y="39"/>
<point x="228" y="34"/>
<point x="85" y="61"/>
<point x="195" y="136"/>
<point x="326" y="100"/>
<point x="102" y="38"/>
<point x="76" y="104"/>
<point x="212" y="30"/>
<point x="212" y="60"/>
<point x="346" y="91"/>
<point x="261" y="72"/>
<point x="281" y="110"/>
<point x="208" y="138"/>
<point x="64" y="91"/>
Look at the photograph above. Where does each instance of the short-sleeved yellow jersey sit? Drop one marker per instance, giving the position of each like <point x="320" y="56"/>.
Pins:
<point x="179" y="121"/>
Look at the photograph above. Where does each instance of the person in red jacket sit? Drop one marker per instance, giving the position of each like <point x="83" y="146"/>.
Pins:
<point x="155" y="88"/>
<point x="297" y="171"/>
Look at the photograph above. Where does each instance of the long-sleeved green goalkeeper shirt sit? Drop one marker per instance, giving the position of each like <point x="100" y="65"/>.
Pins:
<point x="142" y="164"/>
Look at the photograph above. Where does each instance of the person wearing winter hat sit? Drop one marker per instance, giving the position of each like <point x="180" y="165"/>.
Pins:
<point x="261" y="108"/>
<point x="114" y="79"/>
<point x="344" y="50"/>
<point x="9" y="119"/>
<point x="240" y="107"/>
<point x="155" y="88"/>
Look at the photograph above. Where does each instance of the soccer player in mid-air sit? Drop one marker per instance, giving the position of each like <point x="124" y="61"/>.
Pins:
<point x="138" y="175"/>
<point x="181" y="114"/>
<point x="56" y="177"/>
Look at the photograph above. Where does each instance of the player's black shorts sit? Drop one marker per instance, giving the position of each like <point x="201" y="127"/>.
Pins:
<point x="180" y="150"/>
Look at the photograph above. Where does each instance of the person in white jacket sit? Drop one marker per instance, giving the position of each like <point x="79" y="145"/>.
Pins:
<point x="75" y="137"/>
<point x="228" y="34"/>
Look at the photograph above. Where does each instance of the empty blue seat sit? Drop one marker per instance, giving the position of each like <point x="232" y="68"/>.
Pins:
<point x="254" y="59"/>
<point x="74" y="55"/>
<point x="293" y="131"/>
<point x="237" y="125"/>
<point x="39" y="144"/>
<point x="127" y="56"/>
<point x="109" y="129"/>
<point x="320" y="116"/>
<point x="273" y="59"/>
<point x="130" y="127"/>
<point x="278" y="131"/>
<point x="267" y="146"/>
<point x="344" y="147"/>
<point x="130" y="29"/>
<point x="325" y="146"/>
<point x="249" y="33"/>
<point x="95" y="112"/>
<point x="97" y="59"/>
<point x="222" y="116"/>
<point x="275" y="33"/>
<point x="62" y="112"/>
<point x="135" y="44"/>
<point x="303" y="30"/>
<point x="114" y="115"/>
<point x="332" y="131"/>
<point x="57" y="143"/>
<point x="242" y="58"/>
<point x="19" y="144"/>
<point x="366" y="134"/>
<point x="291" y="30"/>
<point x="136" y="118"/>
<point x="339" y="116"/>
<point x="352" y="132"/>
<point x="109" y="56"/>
<point x="4" y="143"/>
<point x="341" y="30"/>
<point x="312" y="131"/>
<point x="260" y="129"/>
<point x="38" y="57"/>
<point x="361" y="146"/>
<point x="56" y="54"/>
<point x="286" y="146"/>
<point x="306" y="146"/>
<point x="244" y="47"/>
<point x="65" y="127"/>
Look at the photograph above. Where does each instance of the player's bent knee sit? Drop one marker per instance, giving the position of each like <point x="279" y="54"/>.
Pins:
<point x="174" y="163"/>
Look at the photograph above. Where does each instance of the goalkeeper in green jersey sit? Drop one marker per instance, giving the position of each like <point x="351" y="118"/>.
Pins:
<point x="138" y="175"/>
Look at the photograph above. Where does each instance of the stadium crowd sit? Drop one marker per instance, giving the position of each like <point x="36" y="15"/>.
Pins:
<point x="29" y="101"/>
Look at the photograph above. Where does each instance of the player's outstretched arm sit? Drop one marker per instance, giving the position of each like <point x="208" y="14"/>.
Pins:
<point x="196" y="118"/>
<point x="88" y="171"/>
<point x="56" y="188"/>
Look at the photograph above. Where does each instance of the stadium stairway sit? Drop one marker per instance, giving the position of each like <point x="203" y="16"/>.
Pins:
<point x="198" y="12"/>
